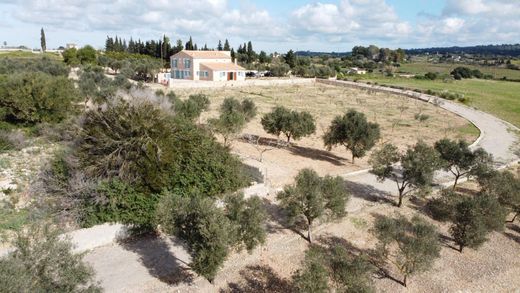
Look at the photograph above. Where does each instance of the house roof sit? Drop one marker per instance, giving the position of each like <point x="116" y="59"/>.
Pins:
<point x="221" y="66"/>
<point x="208" y="54"/>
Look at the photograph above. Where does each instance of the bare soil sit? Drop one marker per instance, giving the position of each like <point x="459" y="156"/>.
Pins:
<point x="395" y="114"/>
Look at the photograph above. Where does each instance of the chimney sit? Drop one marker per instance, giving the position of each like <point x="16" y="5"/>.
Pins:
<point x="236" y="61"/>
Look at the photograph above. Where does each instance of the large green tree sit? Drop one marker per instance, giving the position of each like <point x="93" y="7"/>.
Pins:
<point x="292" y="124"/>
<point x="31" y="98"/>
<point x="473" y="220"/>
<point x="211" y="231"/>
<point x="459" y="159"/>
<point x="417" y="167"/>
<point x="354" y="132"/>
<point x="410" y="245"/>
<point x="312" y="197"/>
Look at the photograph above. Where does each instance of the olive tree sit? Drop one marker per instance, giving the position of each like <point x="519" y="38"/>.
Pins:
<point x="354" y="132"/>
<point x="312" y="197"/>
<point x="459" y="159"/>
<point x="233" y="117"/>
<point x="210" y="230"/>
<point x="292" y="124"/>
<point x="191" y="108"/>
<point x="410" y="170"/>
<point x="336" y="267"/>
<point x="411" y="246"/>
<point x="505" y="187"/>
<point x="473" y="220"/>
<point x="43" y="262"/>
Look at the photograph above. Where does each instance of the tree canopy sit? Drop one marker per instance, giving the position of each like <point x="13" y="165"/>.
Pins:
<point x="459" y="159"/>
<point x="292" y="124"/>
<point x="312" y="197"/>
<point x="354" y="132"/>
<point x="410" y="245"/>
<point x="416" y="170"/>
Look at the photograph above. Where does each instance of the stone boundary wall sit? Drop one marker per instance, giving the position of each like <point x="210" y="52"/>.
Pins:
<point x="183" y="84"/>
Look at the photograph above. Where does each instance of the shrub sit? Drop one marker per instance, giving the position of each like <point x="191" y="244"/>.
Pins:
<point x="32" y="98"/>
<point x="41" y="262"/>
<point x="118" y="202"/>
<point x="431" y="75"/>
<point x="147" y="147"/>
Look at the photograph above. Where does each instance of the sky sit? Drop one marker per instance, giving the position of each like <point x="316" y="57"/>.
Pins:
<point x="271" y="25"/>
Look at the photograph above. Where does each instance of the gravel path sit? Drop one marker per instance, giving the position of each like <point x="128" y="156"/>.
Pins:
<point x="144" y="266"/>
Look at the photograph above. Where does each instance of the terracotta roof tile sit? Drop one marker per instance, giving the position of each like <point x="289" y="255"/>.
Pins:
<point x="207" y="54"/>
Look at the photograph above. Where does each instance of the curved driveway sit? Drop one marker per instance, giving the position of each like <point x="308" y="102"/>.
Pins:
<point x="497" y="137"/>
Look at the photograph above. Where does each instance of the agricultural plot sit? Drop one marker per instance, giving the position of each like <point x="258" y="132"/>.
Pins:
<point x="499" y="98"/>
<point x="397" y="116"/>
<point x="445" y="68"/>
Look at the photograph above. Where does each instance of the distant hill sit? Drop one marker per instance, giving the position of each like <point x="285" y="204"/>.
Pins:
<point x="499" y="50"/>
<point x="314" y="54"/>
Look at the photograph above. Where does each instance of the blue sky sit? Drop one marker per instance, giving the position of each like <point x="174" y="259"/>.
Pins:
<point x="272" y="25"/>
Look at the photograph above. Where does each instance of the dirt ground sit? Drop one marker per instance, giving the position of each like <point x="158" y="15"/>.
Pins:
<point x="395" y="114"/>
<point x="160" y="264"/>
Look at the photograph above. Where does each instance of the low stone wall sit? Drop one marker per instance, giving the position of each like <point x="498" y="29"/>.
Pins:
<point x="245" y="83"/>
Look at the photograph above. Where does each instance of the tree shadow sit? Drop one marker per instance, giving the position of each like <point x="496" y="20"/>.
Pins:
<point x="369" y="193"/>
<point x="311" y="153"/>
<point x="515" y="234"/>
<point x="260" y="278"/>
<point x="380" y="269"/>
<point x="316" y="154"/>
<point x="155" y="254"/>
<point x="447" y="241"/>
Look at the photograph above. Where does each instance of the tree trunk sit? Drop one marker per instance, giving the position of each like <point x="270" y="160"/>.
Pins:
<point x="400" y="202"/>
<point x="456" y="180"/>
<point x="288" y="138"/>
<point x="309" y="234"/>
<point x="404" y="280"/>
<point x="353" y="158"/>
<point x="461" y="247"/>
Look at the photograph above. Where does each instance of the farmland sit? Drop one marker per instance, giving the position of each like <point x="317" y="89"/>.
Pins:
<point x="446" y="68"/>
<point x="500" y="98"/>
<point x="395" y="114"/>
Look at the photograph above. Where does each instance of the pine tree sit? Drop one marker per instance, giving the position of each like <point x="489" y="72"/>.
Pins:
<point x="219" y="46"/>
<point x="42" y="40"/>
<point x="226" y="46"/>
<point x="109" y="44"/>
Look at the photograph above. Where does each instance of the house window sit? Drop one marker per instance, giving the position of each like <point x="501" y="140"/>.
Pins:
<point x="222" y="74"/>
<point x="174" y="63"/>
<point x="186" y="73"/>
<point x="206" y="74"/>
<point x="187" y="63"/>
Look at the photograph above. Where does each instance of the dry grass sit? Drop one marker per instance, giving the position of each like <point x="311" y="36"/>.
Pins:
<point x="395" y="114"/>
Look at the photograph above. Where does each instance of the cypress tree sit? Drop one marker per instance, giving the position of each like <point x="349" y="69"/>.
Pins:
<point x="42" y="40"/>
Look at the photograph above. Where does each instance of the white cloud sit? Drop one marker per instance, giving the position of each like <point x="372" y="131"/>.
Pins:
<point x="354" y="20"/>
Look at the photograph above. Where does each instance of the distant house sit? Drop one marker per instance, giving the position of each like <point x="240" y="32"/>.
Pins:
<point x="205" y="65"/>
<point x="71" y="46"/>
<point x="355" y="70"/>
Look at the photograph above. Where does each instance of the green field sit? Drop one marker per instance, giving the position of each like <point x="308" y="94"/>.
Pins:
<point x="445" y="68"/>
<point x="501" y="98"/>
<point x="28" y="55"/>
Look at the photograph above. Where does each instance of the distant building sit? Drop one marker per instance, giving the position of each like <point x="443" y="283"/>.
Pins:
<point x="355" y="70"/>
<point x="205" y="65"/>
<point x="71" y="46"/>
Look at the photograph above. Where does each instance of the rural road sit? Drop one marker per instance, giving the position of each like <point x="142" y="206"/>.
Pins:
<point x="140" y="266"/>
<point x="497" y="137"/>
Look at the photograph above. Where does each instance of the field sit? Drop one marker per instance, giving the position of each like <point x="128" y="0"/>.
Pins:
<point x="500" y="98"/>
<point x="446" y="68"/>
<point x="395" y="114"/>
<point x="28" y="55"/>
